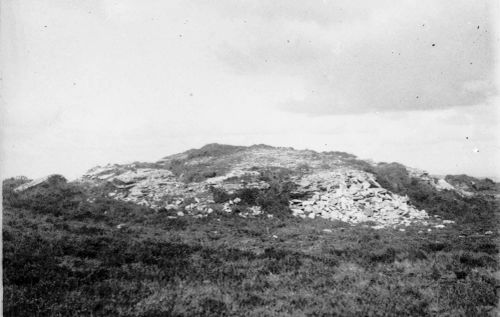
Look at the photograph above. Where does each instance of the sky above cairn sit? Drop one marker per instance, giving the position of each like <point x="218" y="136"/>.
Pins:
<point x="86" y="83"/>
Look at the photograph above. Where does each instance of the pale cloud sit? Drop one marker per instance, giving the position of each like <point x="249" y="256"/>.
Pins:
<point x="429" y="55"/>
<point x="99" y="81"/>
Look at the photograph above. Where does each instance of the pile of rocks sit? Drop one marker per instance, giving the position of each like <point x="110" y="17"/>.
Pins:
<point x="160" y="189"/>
<point x="237" y="179"/>
<point x="341" y="193"/>
<point x="285" y="157"/>
<point x="352" y="196"/>
<point x="148" y="187"/>
<point x="154" y="188"/>
<point x="231" y="205"/>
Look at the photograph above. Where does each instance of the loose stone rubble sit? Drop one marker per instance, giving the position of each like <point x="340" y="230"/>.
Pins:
<point x="327" y="187"/>
<point x="342" y="194"/>
<point x="160" y="189"/>
<point x="154" y="188"/>
<point x="353" y="196"/>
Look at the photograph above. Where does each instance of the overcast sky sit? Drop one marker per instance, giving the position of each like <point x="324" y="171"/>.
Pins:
<point x="86" y="83"/>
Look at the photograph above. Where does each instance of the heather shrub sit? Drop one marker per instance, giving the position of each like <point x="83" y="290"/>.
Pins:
<point x="445" y="203"/>
<point x="275" y="174"/>
<point x="54" y="196"/>
<point x="248" y="196"/>
<point x="276" y="198"/>
<point x="213" y="150"/>
<point x="392" y="176"/>
<point x="219" y="195"/>
<point x="471" y="183"/>
<point x="10" y="184"/>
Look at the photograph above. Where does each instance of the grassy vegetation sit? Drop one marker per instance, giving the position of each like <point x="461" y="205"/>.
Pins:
<point x="197" y="165"/>
<point x="63" y="255"/>
<point x="476" y="210"/>
<point x="273" y="200"/>
<point x="471" y="183"/>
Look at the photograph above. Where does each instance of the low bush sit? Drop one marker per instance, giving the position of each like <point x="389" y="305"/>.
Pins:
<point x="471" y="183"/>
<point x="189" y="173"/>
<point x="248" y="196"/>
<point x="54" y="196"/>
<point x="219" y="195"/>
<point x="393" y="176"/>
<point x="274" y="174"/>
<point x="479" y="210"/>
<point x="213" y="150"/>
<point x="274" y="200"/>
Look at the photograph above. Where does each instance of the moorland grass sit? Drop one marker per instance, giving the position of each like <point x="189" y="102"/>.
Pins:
<point x="69" y="259"/>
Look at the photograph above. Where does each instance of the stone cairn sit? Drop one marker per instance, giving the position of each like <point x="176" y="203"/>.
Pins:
<point x="352" y="196"/>
<point x="341" y="194"/>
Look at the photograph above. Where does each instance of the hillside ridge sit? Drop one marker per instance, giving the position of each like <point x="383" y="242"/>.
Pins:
<point x="260" y="180"/>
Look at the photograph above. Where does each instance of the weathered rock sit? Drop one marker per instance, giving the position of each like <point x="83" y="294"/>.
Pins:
<point x="368" y="212"/>
<point x="31" y="184"/>
<point x="349" y="196"/>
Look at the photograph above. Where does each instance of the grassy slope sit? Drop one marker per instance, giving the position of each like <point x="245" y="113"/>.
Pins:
<point x="226" y="265"/>
<point x="64" y="256"/>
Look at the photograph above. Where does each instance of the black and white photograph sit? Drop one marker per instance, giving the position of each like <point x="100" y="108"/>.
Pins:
<point x="250" y="158"/>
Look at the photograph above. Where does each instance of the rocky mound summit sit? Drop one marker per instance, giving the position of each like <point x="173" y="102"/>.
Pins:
<point x="256" y="180"/>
